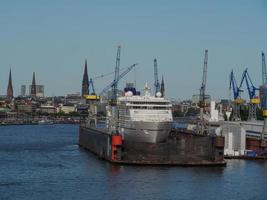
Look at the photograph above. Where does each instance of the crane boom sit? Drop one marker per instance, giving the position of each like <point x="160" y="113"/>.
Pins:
<point x="250" y="87"/>
<point x="233" y="86"/>
<point x="254" y="100"/>
<point x="92" y="85"/>
<point x="116" y="79"/>
<point x="156" y="79"/>
<point x="111" y="85"/>
<point x="264" y="73"/>
<point x="204" y="81"/>
<point x="202" y="124"/>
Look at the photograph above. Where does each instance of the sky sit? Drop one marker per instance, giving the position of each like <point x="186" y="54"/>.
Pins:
<point x="54" y="37"/>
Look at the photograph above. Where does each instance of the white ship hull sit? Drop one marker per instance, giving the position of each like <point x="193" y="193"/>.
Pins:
<point x="151" y="132"/>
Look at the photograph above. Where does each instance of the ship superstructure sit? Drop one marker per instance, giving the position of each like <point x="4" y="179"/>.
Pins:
<point x="144" y="118"/>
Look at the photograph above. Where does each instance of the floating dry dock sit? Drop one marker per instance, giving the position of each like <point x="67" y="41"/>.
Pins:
<point x="182" y="149"/>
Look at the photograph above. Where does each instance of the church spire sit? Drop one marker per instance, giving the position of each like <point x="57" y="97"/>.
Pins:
<point x="85" y="83"/>
<point x="162" y="87"/>
<point x="10" y="87"/>
<point x="33" y="86"/>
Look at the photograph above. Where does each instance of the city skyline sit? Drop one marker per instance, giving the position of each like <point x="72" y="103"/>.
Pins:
<point x="176" y="33"/>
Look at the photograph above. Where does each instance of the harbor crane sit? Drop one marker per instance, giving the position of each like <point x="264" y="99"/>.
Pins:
<point x="264" y="73"/>
<point x="263" y="100"/>
<point x="93" y="95"/>
<point x="237" y="98"/>
<point x="202" y="103"/>
<point x="92" y="86"/>
<point x="202" y="96"/>
<point x="115" y="82"/>
<point x="263" y="86"/>
<point x="116" y="78"/>
<point x="156" y="78"/>
<point x="254" y="100"/>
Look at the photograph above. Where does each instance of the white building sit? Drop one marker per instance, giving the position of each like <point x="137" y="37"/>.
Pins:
<point x="214" y="114"/>
<point x="235" y="138"/>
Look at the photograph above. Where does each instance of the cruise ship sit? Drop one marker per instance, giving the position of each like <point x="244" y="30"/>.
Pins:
<point x="136" y="131"/>
<point x="144" y="118"/>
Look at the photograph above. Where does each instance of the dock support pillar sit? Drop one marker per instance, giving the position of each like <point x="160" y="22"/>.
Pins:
<point x="116" y="144"/>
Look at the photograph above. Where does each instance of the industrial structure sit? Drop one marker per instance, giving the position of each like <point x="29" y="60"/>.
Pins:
<point x="114" y="84"/>
<point x="111" y="85"/>
<point x="238" y="101"/>
<point x="162" y="87"/>
<point x="139" y="128"/>
<point x="264" y="73"/>
<point x="92" y="86"/>
<point x="264" y="78"/>
<point x="254" y="99"/>
<point x="156" y="78"/>
<point x="247" y="138"/>
<point x="202" y="102"/>
<point x="86" y="83"/>
<point x="263" y="91"/>
<point x="113" y="100"/>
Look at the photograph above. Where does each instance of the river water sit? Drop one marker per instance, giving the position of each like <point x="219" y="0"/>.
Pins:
<point x="45" y="162"/>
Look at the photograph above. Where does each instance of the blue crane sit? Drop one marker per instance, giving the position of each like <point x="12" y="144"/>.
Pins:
<point x="91" y="83"/>
<point x="237" y="98"/>
<point x="250" y="87"/>
<point x="116" y="78"/>
<point x="115" y="82"/>
<point x="156" y="79"/>
<point x="254" y="100"/>
<point x="91" y="80"/>
<point x="234" y="87"/>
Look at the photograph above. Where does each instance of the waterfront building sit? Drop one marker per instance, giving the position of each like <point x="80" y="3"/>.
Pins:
<point x="9" y="87"/>
<point x="67" y="108"/>
<point x="74" y="99"/>
<point x="47" y="109"/>
<point x="26" y="108"/>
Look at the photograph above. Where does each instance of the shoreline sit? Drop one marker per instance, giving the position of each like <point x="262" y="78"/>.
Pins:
<point x="25" y="124"/>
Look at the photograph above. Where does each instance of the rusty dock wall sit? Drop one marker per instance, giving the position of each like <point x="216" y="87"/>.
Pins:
<point x="180" y="149"/>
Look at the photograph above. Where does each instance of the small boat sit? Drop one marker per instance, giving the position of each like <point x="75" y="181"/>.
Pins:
<point x="45" y="122"/>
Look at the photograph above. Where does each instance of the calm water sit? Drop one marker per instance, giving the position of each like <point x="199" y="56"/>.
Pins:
<point x="45" y="162"/>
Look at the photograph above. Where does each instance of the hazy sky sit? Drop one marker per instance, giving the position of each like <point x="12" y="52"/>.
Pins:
<point x="53" y="38"/>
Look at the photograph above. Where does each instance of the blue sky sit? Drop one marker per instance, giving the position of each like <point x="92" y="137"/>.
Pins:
<point x="53" y="38"/>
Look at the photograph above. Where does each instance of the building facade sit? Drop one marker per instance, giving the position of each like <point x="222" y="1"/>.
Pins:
<point x="39" y="90"/>
<point x="23" y="90"/>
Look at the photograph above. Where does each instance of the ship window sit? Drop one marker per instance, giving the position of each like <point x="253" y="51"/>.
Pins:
<point x="150" y="103"/>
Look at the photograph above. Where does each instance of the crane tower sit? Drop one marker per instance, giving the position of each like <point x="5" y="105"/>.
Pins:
<point x="202" y="104"/>
<point x="116" y="78"/>
<point x="264" y="73"/>
<point x="254" y="100"/>
<point x="156" y="78"/>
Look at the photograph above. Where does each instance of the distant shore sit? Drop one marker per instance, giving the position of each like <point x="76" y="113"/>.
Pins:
<point x="39" y="121"/>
